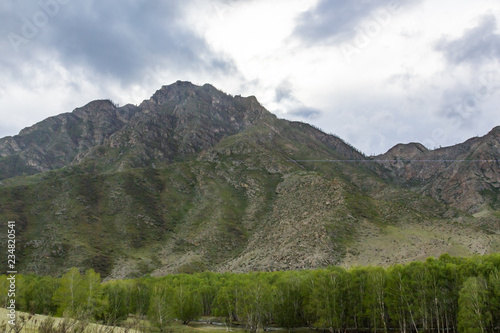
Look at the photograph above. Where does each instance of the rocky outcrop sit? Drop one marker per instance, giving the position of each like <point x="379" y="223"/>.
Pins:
<point x="177" y="122"/>
<point x="62" y="140"/>
<point x="466" y="175"/>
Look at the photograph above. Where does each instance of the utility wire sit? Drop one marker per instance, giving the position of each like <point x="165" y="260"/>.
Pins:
<point x="410" y="161"/>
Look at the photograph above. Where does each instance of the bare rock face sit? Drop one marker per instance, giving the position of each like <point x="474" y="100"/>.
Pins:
<point x="178" y="121"/>
<point x="466" y="175"/>
<point x="61" y="140"/>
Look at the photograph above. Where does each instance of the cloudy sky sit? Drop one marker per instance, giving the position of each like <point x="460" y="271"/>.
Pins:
<point x="374" y="72"/>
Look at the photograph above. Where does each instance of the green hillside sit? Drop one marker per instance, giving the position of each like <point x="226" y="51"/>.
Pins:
<point x="194" y="179"/>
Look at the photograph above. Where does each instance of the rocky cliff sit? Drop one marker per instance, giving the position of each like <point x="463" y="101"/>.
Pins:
<point x="466" y="176"/>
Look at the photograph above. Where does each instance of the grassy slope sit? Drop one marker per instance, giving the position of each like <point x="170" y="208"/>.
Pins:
<point x="243" y="205"/>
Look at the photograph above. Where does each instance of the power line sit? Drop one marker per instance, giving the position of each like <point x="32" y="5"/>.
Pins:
<point x="405" y="161"/>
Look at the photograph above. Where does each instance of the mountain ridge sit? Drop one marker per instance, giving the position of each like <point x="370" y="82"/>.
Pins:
<point x="472" y="164"/>
<point x="194" y="179"/>
<point x="76" y="140"/>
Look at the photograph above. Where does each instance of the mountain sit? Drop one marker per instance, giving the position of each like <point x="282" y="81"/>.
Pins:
<point x="179" y="120"/>
<point x="194" y="179"/>
<point x="62" y="140"/>
<point x="466" y="175"/>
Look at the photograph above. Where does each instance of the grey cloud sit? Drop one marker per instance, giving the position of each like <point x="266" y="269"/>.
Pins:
<point x="283" y="91"/>
<point x="406" y="79"/>
<point x="284" y="94"/>
<point x="305" y="112"/>
<point x="335" y="21"/>
<point x="477" y="45"/>
<point x="114" y="39"/>
<point x="461" y="106"/>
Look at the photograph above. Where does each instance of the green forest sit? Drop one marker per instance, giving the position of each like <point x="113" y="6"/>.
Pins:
<point x="439" y="295"/>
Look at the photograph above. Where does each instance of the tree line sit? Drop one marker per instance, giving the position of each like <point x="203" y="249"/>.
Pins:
<point x="448" y="294"/>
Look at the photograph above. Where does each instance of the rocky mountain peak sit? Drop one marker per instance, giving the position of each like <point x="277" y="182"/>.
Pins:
<point x="179" y="120"/>
<point x="100" y="104"/>
<point x="184" y="100"/>
<point x="177" y="92"/>
<point x="406" y="151"/>
<point x="466" y="175"/>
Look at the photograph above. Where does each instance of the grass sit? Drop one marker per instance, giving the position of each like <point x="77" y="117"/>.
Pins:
<point x="32" y="324"/>
<point x="384" y="245"/>
<point x="362" y="206"/>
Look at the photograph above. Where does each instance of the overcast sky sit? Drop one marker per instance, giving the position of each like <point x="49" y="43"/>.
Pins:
<point x="374" y="72"/>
